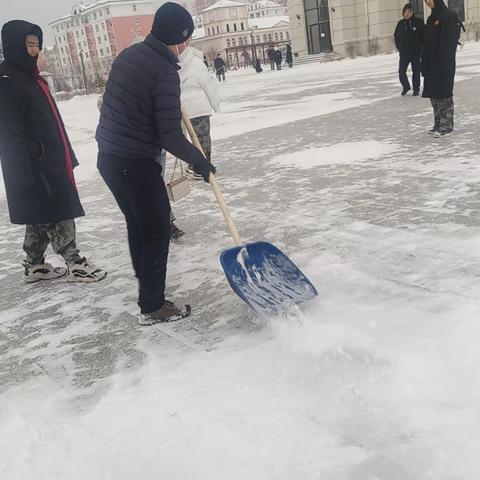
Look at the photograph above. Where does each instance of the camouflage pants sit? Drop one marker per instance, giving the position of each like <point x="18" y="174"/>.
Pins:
<point x="443" y="112"/>
<point x="201" y="125"/>
<point x="61" y="235"/>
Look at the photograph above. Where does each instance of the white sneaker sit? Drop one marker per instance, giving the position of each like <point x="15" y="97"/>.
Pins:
<point x="84" y="271"/>
<point x="42" y="271"/>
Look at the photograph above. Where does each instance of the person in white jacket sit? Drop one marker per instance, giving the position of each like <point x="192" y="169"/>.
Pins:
<point x="199" y="97"/>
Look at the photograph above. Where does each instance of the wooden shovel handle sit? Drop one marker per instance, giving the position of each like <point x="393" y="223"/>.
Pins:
<point x="213" y="182"/>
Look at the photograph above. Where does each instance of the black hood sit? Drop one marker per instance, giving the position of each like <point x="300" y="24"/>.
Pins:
<point x="408" y="6"/>
<point x="439" y="5"/>
<point x="14" y="34"/>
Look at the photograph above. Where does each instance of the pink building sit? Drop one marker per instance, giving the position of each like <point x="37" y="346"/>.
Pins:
<point x="97" y="34"/>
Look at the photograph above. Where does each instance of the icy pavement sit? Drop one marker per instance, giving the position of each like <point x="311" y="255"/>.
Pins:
<point x="377" y="379"/>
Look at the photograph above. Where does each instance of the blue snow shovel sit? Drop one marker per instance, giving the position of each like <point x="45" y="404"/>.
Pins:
<point x="259" y="273"/>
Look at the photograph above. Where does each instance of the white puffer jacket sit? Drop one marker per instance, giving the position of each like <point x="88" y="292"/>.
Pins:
<point x="198" y="92"/>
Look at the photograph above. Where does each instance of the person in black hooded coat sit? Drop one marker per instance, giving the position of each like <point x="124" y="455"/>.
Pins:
<point x="439" y="64"/>
<point x="37" y="160"/>
<point x="409" y="42"/>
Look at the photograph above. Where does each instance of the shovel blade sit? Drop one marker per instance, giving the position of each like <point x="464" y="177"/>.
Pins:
<point x="265" y="278"/>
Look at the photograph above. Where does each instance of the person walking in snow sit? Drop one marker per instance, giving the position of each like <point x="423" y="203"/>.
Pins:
<point x="219" y="65"/>
<point x="258" y="66"/>
<point x="271" y="57"/>
<point x="199" y="97"/>
<point x="278" y="58"/>
<point x="140" y="117"/>
<point x="409" y="42"/>
<point x="38" y="161"/>
<point x="205" y="61"/>
<point x="289" y="56"/>
<point x="439" y="64"/>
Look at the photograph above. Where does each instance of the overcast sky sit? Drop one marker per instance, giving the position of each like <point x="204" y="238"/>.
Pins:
<point x="41" y="12"/>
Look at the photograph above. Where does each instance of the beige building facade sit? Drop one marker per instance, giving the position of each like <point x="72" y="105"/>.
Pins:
<point x="361" y="27"/>
<point x="226" y="28"/>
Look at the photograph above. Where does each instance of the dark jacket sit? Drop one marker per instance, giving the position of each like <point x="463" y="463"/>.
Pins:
<point x="36" y="155"/>
<point x="409" y="36"/>
<point x="289" y="56"/>
<point x="271" y="54"/>
<point x="219" y="65"/>
<point x="438" y="63"/>
<point x="278" y="57"/>
<point x="141" y="113"/>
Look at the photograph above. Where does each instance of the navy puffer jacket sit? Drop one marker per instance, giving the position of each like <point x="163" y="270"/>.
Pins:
<point x="141" y="112"/>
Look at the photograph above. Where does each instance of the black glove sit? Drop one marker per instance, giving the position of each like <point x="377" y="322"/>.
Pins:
<point x="204" y="168"/>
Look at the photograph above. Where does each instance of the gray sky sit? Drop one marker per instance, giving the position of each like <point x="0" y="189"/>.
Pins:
<point x="41" y="12"/>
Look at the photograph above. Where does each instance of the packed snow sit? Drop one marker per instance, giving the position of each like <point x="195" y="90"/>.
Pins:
<point x="374" y="379"/>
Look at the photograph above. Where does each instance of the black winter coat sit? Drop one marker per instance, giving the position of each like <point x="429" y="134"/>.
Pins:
<point x="278" y="57"/>
<point x="409" y="37"/>
<point x="141" y="113"/>
<point x="219" y="65"/>
<point x="36" y="155"/>
<point x="438" y="64"/>
<point x="289" y="56"/>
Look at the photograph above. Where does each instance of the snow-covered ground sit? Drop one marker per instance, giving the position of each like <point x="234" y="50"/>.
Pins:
<point x="377" y="379"/>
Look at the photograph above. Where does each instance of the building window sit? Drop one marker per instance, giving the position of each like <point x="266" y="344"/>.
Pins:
<point x="208" y="31"/>
<point x="418" y="7"/>
<point x="276" y="37"/>
<point x="240" y="41"/>
<point x="270" y="37"/>
<point x="228" y="27"/>
<point x="103" y="26"/>
<point x="233" y="42"/>
<point x="218" y="29"/>
<point x="101" y="52"/>
<point x="241" y="26"/>
<point x="258" y="38"/>
<point x="287" y="35"/>
<point x="134" y="8"/>
<point x="97" y="28"/>
<point x="77" y="34"/>
<point x="228" y="43"/>
<point x="94" y="15"/>
<point x="264" y="38"/>
<point x="104" y="38"/>
<point x="99" y="39"/>
<point x="79" y="46"/>
<point x="235" y="27"/>
<point x="281" y="35"/>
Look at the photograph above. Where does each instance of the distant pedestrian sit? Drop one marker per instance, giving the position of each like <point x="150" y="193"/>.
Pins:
<point x="439" y="64"/>
<point x="271" y="57"/>
<point x="409" y="42"/>
<point x="258" y="66"/>
<point x="38" y="161"/>
<point x="289" y="56"/>
<point x="278" y="59"/>
<point x="219" y="65"/>
<point x="205" y="61"/>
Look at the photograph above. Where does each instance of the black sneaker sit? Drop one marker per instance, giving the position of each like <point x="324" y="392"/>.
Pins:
<point x="442" y="133"/>
<point x="416" y="93"/>
<point x="405" y="91"/>
<point x="168" y="312"/>
<point x="175" y="232"/>
<point x="433" y="130"/>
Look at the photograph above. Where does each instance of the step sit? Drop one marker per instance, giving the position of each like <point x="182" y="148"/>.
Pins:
<point x="317" y="58"/>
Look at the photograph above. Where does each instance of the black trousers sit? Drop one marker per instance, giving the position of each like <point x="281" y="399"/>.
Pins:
<point x="140" y="192"/>
<point x="416" y="62"/>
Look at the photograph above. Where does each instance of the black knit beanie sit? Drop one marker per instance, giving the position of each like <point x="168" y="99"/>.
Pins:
<point x="172" y="24"/>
